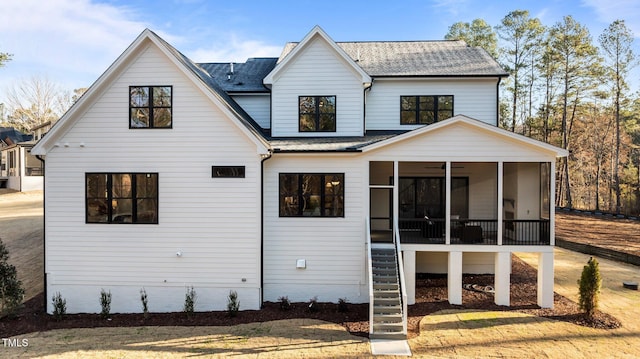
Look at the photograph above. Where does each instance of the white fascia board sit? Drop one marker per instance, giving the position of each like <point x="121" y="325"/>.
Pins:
<point x="316" y="31"/>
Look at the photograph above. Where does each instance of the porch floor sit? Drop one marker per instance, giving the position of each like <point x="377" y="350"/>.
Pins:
<point x="415" y="237"/>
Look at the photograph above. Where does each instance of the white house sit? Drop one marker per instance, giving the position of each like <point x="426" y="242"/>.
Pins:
<point x="19" y="169"/>
<point x="338" y="170"/>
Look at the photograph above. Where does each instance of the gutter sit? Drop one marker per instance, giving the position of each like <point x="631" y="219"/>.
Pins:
<point x="261" y="228"/>
<point x="345" y="150"/>
<point x="44" y="232"/>
<point x="364" y="106"/>
<point x="498" y="102"/>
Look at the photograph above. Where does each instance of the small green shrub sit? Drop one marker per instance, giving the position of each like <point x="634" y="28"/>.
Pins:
<point x="145" y="302"/>
<point x="589" y="283"/>
<point x="190" y="301"/>
<point x="59" y="306"/>
<point x="285" y="304"/>
<point x="233" y="304"/>
<point x="11" y="291"/>
<point x="343" y="306"/>
<point x="314" y="307"/>
<point x="105" y="303"/>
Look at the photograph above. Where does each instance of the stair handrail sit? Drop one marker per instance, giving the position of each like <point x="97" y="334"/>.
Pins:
<point x="403" y="289"/>
<point x="367" y="225"/>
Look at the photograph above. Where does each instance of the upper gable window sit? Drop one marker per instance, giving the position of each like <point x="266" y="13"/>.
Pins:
<point x="150" y="106"/>
<point x="317" y="113"/>
<point x="425" y="110"/>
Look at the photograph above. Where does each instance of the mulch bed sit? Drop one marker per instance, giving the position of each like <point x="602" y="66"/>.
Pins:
<point x="431" y="296"/>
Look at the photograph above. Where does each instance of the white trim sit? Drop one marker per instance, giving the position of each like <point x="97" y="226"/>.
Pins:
<point x="67" y="121"/>
<point x="558" y="152"/>
<point x="315" y="32"/>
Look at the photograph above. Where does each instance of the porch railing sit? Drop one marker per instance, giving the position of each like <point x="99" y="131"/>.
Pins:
<point x="475" y="231"/>
<point x="526" y="232"/>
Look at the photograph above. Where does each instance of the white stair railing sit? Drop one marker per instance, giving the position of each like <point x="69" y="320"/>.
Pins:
<point x="403" y="289"/>
<point x="370" y="269"/>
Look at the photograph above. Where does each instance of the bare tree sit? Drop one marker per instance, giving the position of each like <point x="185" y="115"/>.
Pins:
<point x="36" y="101"/>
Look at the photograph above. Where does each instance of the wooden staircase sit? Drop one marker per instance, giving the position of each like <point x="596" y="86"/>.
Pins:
<point x="388" y="319"/>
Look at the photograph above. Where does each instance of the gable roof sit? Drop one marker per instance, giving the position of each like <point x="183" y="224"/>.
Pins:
<point x="200" y="78"/>
<point x="241" y="76"/>
<point x="473" y="123"/>
<point x="315" y="33"/>
<point x="417" y="58"/>
<point x="11" y="136"/>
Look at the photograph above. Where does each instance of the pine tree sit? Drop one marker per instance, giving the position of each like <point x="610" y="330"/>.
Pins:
<point x="589" y="283"/>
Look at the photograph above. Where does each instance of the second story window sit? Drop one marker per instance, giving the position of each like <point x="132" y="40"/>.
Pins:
<point x="425" y="110"/>
<point x="317" y="113"/>
<point x="150" y="106"/>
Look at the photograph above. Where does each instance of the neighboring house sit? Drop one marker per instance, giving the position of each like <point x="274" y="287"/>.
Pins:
<point x="300" y="176"/>
<point x="19" y="169"/>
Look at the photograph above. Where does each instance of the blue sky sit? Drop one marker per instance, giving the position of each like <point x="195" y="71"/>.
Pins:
<point x="71" y="42"/>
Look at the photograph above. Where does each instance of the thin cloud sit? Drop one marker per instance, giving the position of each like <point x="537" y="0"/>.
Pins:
<point x="608" y="11"/>
<point x="234" y="49"/>
<point x="452" y="7"/>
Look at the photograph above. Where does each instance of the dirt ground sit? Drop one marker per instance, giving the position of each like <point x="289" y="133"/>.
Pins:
<point x="21" y="228"/>
<point x="22" y="231"/>
<point x="604" y="231"/>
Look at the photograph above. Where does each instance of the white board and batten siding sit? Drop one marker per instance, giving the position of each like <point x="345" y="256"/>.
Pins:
<point x="258" y="106"/>
<point x="333" y="248"/>
<point x="317" y="71"/>
<point x="472" y="97"/>
<point x="213" y="222"/>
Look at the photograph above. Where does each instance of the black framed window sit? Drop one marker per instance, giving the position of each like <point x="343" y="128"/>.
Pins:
<point x="227" y="171"/>
<point x="425" y="110"/>
<point x="121" y="198"/>
<point x="311" y="195"/>
<point x="317" y="113"/>
<point x="150" y="106"/>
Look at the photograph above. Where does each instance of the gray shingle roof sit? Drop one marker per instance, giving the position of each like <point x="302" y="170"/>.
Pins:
<point x="330" y="144"/>
<point x="418" y="58"/>
<point x="246" y="77"/>
<point x="204" y="76"/>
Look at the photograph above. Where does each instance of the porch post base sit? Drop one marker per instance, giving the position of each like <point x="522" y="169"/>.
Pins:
<point x="454" y="278"/>
<point x="502" y="265"/>
<point x="545" y="280"/>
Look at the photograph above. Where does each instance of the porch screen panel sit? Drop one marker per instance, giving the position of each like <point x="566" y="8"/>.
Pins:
<point x="460" y="196"/>
<point x="430" y="198"/>
<point x="407" y="193"/>
<point x="545" y="190"/>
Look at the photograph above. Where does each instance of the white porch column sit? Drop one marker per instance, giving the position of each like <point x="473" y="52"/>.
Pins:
<point x="396" y="194"/>
<point x="454" y="278"/>
<point x="409" y="258"/>
<point x="500" y="200"/>
<point x="545" y="280"/>
<point x="552" y="203"/>
<point x="502" y="280"/>
<point x="447" y="205"/>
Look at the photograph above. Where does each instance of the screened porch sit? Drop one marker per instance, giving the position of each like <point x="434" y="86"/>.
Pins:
<point x="461" y="203"/>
